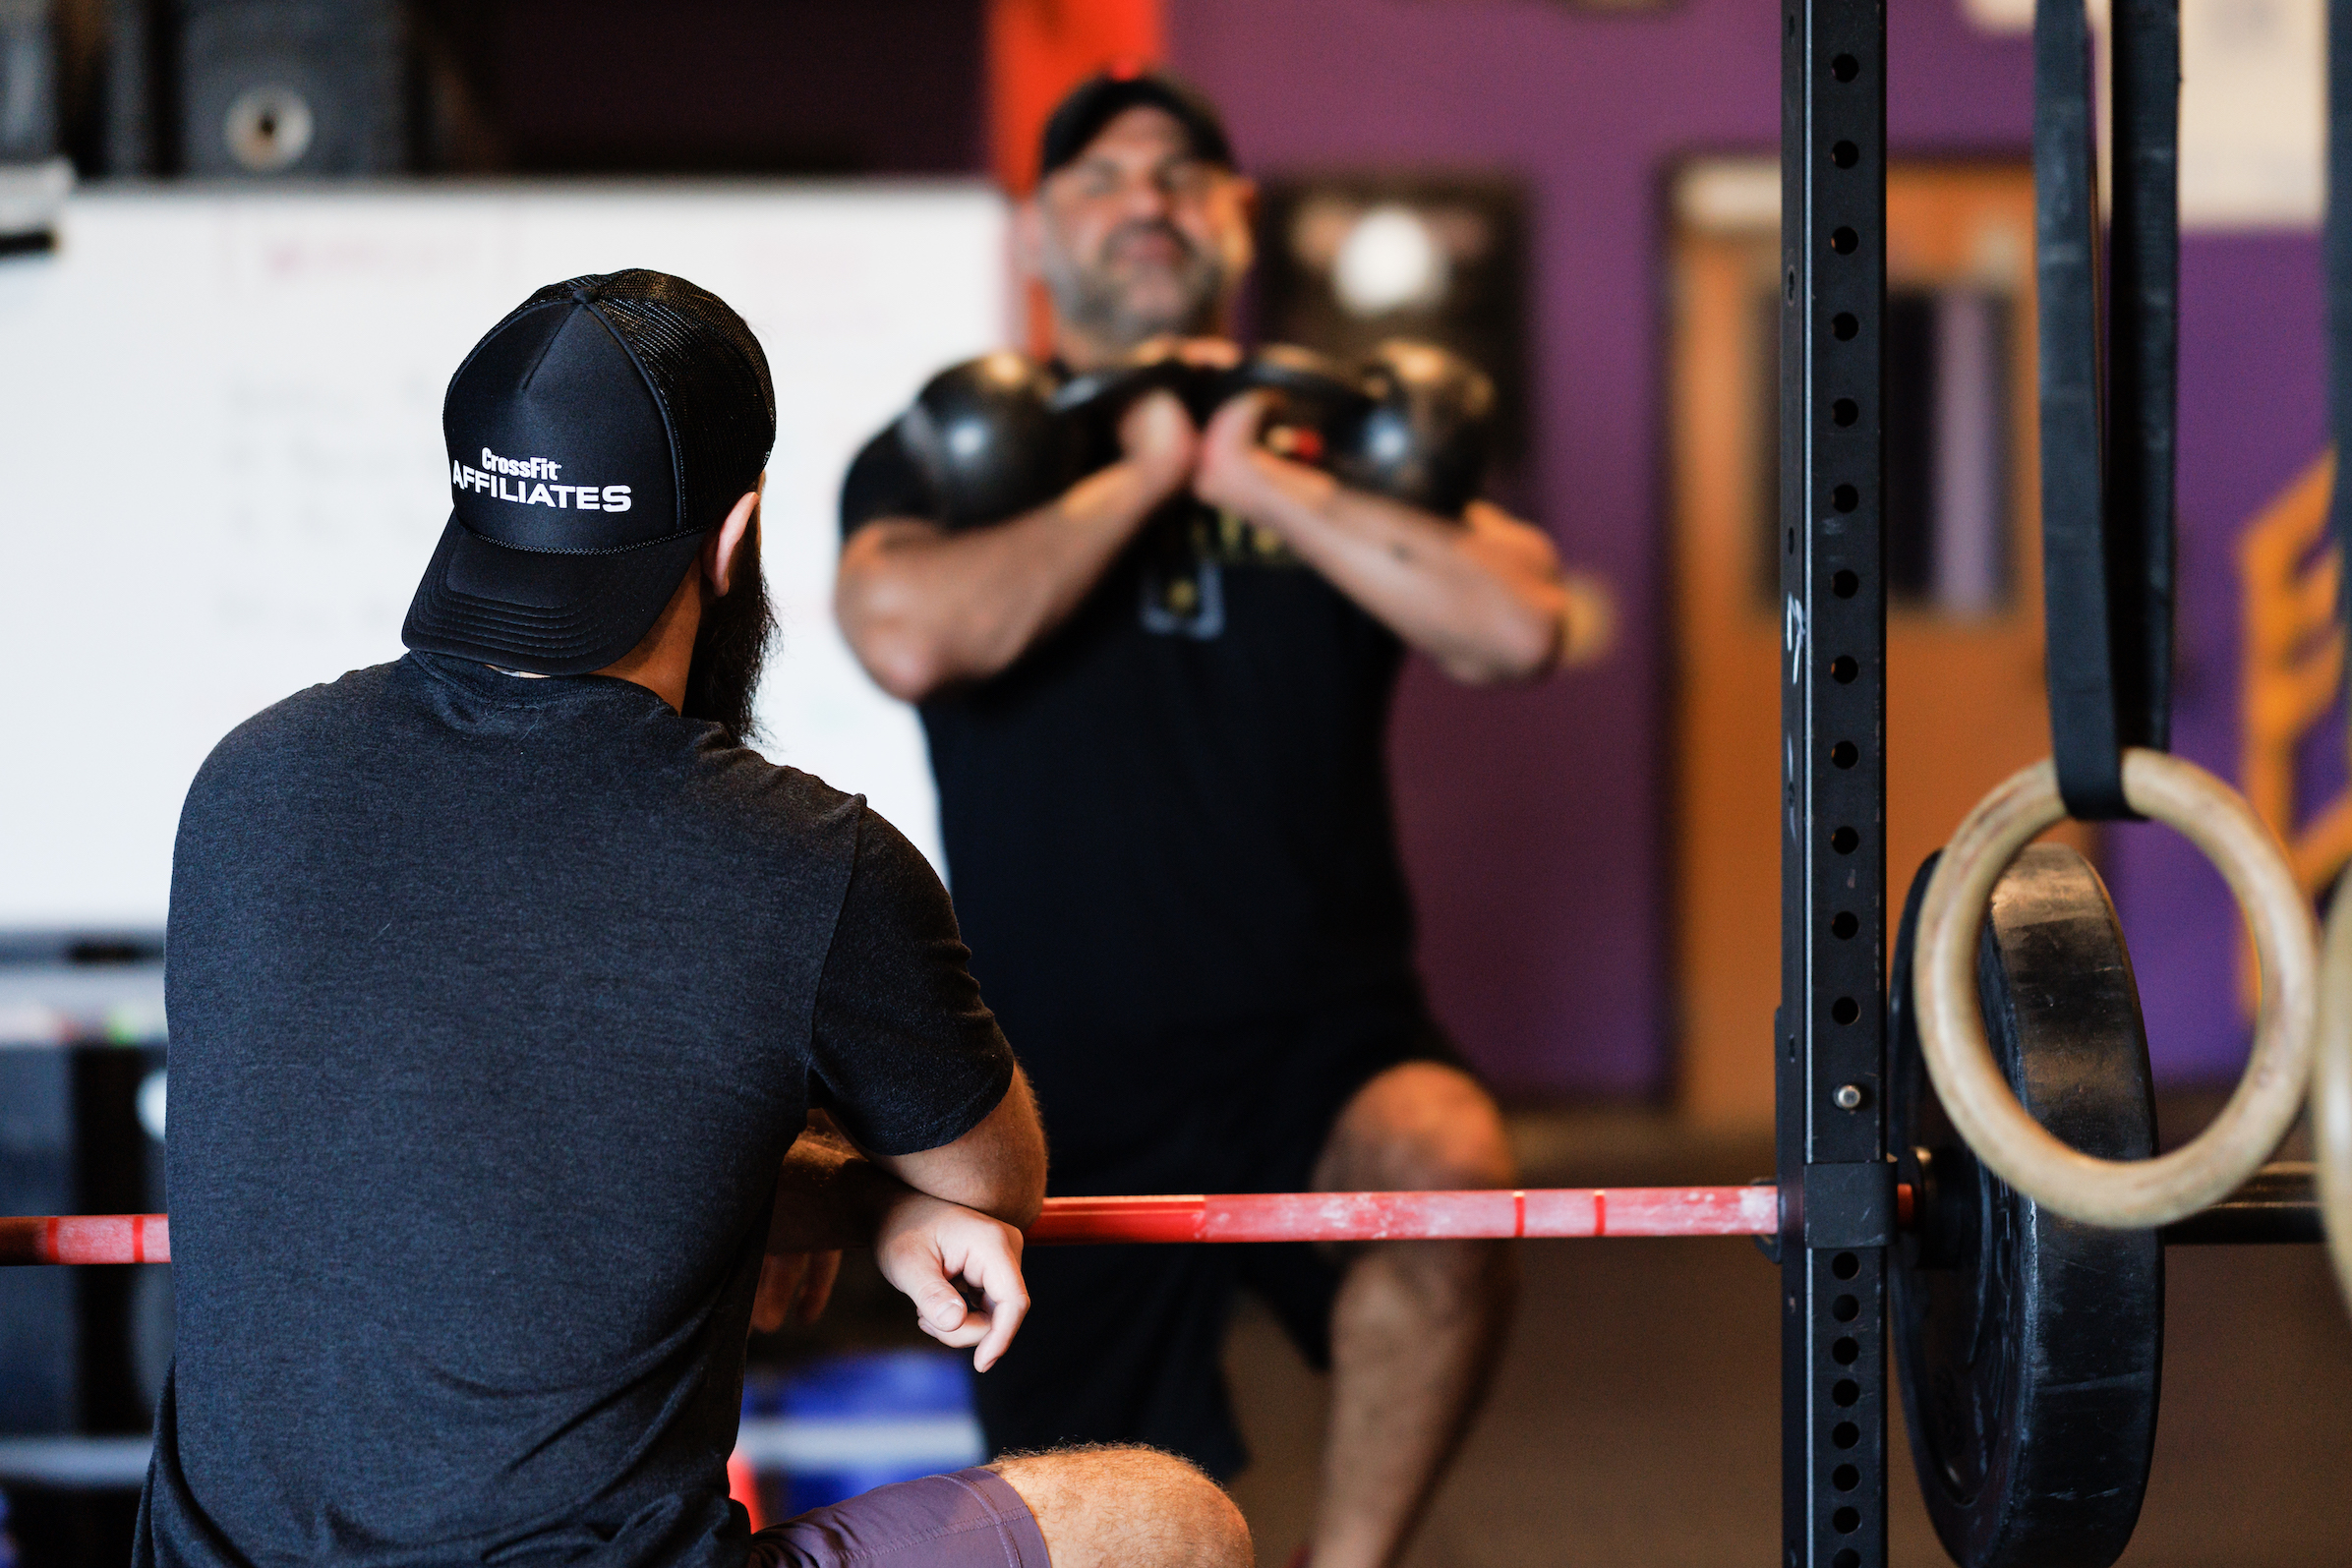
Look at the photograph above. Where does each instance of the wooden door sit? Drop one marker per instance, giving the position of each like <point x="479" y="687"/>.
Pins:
<point x="1965" y="703"/>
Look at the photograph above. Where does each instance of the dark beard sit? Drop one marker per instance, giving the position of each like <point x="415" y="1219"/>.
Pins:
<point x="1095" y="299"/>
<point x="730" y="648"/>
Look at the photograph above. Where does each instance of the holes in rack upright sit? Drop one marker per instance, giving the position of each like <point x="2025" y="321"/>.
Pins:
<point x="1844" y="1265"/>
<point x="1845" y="1010"/>
<point x="1845" y="1393"/>
<point x="1843" y="240"/>
<point x="1846" y="1350"/>
<point x="1845" y="154"/>
<point x="1847" y="1557"/>
<point x="1844" y="325"/>
<point x="1845" y="1434"/>
<point x="1846" y="1308"/>
<point x="1844" y="68"/>
<point x="1843" y="925"/>
<point x="1843" y="669"/>
<point x="1844" y="583"/>
<point x="1844" y="497"/>
<point x="1844" y="840"/>
<point x="1846" y="1477"/>
<point x="1844" y="412"/>
<point x="1846" y="1521"/>
<point x="1845" y="754"/>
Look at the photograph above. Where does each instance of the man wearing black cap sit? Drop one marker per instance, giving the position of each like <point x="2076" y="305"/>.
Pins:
<point x="1167" y="824"/>
<point x="502" y="980"/>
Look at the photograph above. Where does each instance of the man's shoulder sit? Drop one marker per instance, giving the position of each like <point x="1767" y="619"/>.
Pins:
<point x="312" y="716"/>
<point x="778" y="802"/>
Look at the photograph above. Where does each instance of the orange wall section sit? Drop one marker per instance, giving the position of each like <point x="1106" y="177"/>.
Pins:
<point x="1039" y="50"/>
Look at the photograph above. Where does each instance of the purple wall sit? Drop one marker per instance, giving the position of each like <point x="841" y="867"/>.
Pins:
<point x="1536" y="822"/>
<point x="2252" y="416"/>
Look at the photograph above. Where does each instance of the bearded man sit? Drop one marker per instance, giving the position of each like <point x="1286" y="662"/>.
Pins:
<point x="1157" y="708"/>
<point x="502" y="980"/>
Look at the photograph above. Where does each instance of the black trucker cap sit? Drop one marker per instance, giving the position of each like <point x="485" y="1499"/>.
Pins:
<point x="1103" y="98"/>
<point x="595" y="436"/>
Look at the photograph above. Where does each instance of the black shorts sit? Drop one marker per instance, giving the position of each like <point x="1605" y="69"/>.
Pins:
<point x="1125" y="1344"/>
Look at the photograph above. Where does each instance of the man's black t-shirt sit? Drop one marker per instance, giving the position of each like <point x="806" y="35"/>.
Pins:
<point x="1170" y="818"/>
<point x="495" y="1003"/>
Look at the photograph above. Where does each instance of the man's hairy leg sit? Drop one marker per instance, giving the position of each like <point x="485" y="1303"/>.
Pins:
<point x="1106" y="1507"/>
<point x="1418" y="1325"/>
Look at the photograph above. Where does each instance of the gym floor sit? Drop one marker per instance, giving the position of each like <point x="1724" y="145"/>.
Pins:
<point x="1635" y="1420"/>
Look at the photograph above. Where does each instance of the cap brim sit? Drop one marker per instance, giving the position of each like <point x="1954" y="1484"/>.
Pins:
<point x="548" y="612"/>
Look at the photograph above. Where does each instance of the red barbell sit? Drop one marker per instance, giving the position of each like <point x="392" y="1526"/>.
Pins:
<point x="1572" y="1212"/>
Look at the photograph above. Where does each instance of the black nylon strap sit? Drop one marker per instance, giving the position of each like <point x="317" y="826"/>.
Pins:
<point x="2339" y="271"/>
<point x="2108" y="430"/>
<point x="2077" y="595"/>
<point x="2143" y="378"/>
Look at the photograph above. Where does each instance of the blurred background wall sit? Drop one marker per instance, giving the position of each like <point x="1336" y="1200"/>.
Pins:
<point x="1542" y="826"/>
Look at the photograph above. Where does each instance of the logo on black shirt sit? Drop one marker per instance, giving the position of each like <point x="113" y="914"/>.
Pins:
<point x="1185" y="556"/>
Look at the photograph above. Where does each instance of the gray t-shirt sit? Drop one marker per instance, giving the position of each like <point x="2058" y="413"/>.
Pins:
<point x="494" y="1005"/>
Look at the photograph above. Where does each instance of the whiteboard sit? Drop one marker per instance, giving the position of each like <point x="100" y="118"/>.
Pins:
<point x="221" y="469"/>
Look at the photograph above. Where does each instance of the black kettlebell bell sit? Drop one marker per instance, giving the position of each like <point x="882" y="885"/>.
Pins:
<point x="1424" y="435"/>
<point x="990" y="438"/>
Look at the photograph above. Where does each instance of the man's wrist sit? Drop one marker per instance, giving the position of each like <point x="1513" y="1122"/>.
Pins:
<point x="830" y="1197"/>
<point x="1275" y="492"/>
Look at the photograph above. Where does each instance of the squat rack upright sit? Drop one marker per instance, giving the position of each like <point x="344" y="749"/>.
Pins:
<point x="1837" y="1185"/>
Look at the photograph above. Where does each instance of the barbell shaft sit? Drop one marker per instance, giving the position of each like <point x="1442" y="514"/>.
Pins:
<point x="1572" y="1211"/>
<point x="1215" y="1217"/>
<point x="85" y="1239"/>
<point x="2277" y="1206"/>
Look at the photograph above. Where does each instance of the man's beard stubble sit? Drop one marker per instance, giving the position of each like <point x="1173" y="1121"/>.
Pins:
<point x="1094" y="298"/>
<point x="730" y="648"/>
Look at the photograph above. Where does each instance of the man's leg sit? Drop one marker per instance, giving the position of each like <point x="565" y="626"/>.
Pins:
<point x="1418" y="1325"/>
<point x="1068" y="1508"/>
<point x="1128" y="1508"/>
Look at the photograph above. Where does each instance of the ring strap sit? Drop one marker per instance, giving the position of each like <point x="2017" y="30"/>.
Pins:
<point x="2143" y="379"/>
<point x="2106" y="509"/>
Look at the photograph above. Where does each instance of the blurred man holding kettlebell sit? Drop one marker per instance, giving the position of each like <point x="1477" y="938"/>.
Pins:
<point x="1152" y="600"/>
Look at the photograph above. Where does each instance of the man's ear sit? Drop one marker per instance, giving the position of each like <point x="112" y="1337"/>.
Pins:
<point x="720" y="550"/>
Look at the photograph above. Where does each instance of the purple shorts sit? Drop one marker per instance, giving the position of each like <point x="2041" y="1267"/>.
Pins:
<point x="972" y="1518"/>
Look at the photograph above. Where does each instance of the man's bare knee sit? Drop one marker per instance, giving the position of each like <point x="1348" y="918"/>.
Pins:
<point x="1420" y="1126"/>
<point x="1127" y="1507"/>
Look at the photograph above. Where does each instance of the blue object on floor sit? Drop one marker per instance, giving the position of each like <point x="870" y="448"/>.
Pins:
<point x="844" y="1424"/>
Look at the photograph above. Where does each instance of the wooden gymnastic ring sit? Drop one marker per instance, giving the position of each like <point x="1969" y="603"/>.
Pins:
<point x="2124" y="1194"/>
<point x="2331" y="1086"/>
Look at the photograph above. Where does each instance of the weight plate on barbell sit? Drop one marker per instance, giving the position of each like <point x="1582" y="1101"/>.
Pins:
<point x="2029" y="1345"/>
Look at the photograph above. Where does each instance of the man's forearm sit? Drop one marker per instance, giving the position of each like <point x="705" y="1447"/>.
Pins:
<point x="997" y="1168"/>
<point x="926" y="609"/>
<point x="1485" y="602"/>
<point x="829" y="1197"/>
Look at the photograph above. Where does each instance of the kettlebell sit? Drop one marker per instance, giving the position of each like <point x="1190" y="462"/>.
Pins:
<point x="990" y="437"/>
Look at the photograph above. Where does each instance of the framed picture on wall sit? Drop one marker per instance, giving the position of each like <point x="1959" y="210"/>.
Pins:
<point x="1348" y="261"/>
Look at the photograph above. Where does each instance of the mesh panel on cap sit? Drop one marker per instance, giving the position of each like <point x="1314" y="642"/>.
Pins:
<point x="704" y="366"/>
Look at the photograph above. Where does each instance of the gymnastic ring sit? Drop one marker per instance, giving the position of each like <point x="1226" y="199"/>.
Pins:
<point x="2331" y="1086"/>
<point x="2122" y="1194"/>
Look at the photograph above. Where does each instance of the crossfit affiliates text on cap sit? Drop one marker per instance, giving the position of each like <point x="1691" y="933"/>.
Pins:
<point x="1103" y="98"/>
<point x="595" y="436"/>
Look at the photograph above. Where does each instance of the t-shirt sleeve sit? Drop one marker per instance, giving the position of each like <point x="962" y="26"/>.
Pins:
<point x="883" y="481"/>
<point x="906" y="1054"/>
